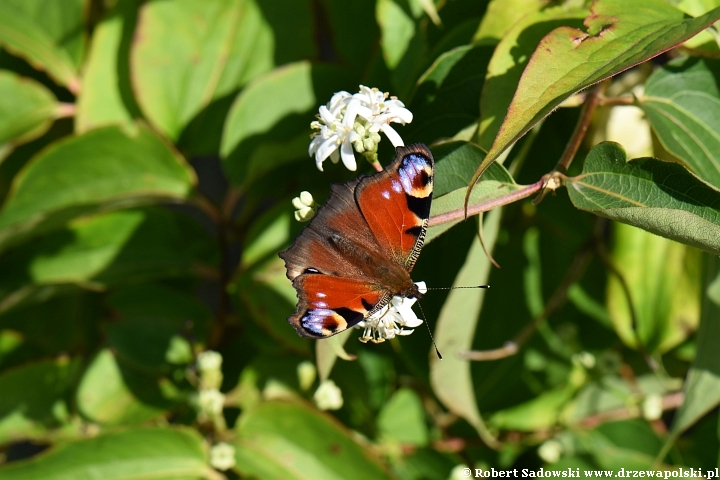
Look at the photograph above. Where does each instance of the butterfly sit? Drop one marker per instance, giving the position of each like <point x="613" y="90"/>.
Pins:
<point x="356" y="254"/>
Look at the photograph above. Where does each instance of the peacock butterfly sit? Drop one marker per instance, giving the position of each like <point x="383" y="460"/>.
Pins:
<point x="358" y="251"/>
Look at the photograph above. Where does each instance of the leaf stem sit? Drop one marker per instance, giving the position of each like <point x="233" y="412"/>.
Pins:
<point x="486" y="206"/>
<point x="588" y="109"/>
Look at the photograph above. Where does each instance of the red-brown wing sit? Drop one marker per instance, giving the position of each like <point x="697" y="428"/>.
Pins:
<point x="396" y="203"/>
<point x="329" y="304"/>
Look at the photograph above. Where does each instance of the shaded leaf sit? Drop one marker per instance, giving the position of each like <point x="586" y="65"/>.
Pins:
<point x="447" y="96"/>
<point x="663" y="278"/>
<point x="23" y="35"/>
<point x="456" y="162"/>
<point x="104" y="168"/>
<point x="111" y="248"/>
<point x="27" y="109"/>
<point x="34" y="397"/>
<point x="158" y="453"/>
<point x="662" y="198"/>
<point x="540" y="413"/>
<point x="682" y="102"/>
<point x="297" y="442"/>
<point x="269" y="123"/>
<point x="619" y="35"/>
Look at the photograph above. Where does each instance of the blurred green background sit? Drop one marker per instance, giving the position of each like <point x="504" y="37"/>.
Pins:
<point x="149" y="153"/>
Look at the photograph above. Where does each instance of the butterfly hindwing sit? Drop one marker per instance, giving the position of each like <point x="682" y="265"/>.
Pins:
<point x="357" y="252"/>
<point x="329" y="304"/>
<point x="396" y="203"/>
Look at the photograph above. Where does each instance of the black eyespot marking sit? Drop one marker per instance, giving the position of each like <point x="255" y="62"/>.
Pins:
<point x="414" y="231"/>
<point x="311" y="270"/>
<point x="424" y="178"/>
<point x="419" y="206"/>
<point x="351" y="316"/>
<point x="368" y="306"/>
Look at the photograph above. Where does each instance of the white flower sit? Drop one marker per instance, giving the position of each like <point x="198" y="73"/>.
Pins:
<point x="209" y="360"/>
<point x="305" y="207"/>
<point x="354" y="121"/>
<point x="328" y="396"/>
<point x="307" y="373"/>
<point x="550" y="451"/>
<point x="652" y="407"/>
<point x="222" y="456"/>
<point x="211" y="402"/>
<point x="391" y="320"/>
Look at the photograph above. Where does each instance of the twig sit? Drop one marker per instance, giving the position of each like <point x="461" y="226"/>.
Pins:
<point x="588" y="109"/>
<point x="485" y="206"/>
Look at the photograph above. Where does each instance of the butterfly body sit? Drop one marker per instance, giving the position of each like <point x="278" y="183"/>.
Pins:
<point x="358" y="251"/>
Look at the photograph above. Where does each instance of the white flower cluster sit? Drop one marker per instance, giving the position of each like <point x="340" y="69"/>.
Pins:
<point x="355" y="121"/>
<point x="392" y="320"/>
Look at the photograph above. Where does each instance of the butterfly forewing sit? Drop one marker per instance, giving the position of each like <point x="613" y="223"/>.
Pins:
<point x="396" y="203"/>
<point x="357" y="252"/>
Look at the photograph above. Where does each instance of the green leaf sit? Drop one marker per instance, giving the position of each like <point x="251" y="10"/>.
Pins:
<point x="293" y="441"/>
<point x="451" y="378"/>
<point x="540" y="413"/>
<point x="106" y="97"/>
<point x="702" y="387"/>
<point x="112" y="395"/>
<point x="455" y="166"/>
<point x="619" y="34"/>
<point x="27" y="109"/>
<point x="402" y="418"/>
<point x="682" y="102"/>
<point x="398" y="28"/>
<point x="36" y="32"/>
<point x="34" y="397"/>
<point x="51" y="326"/>
<point x="447" y="96"/>
<point x="663" y="279"/>
<point x="157" y="453"/>
<point x="269" y="123"/>
<point x="153" y="318"/>
<point x="190" y="53"/>
<point x="501" y="16"/>
<point x="104" y="168"/>
<point x="510" y="58"/>
<point x="662" y="198"/>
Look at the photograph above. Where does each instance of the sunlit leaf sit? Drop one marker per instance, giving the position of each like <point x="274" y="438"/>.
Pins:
<point x="450" y="378"/>
<point x="158" y="453"/>
<point x="500" y="17"/>
<point x="100" y="169"/>
<point x="619" y="35"/>
<point x="682" y="102"/>
<point x="510" y="58"/>
<point x="297" y="442"/>
<point x="25" y="33"/>
<point x="27" y="109"/>
<point x="402" y="418"/>
<point x="188" y="53"/>
<point x="105" y="394"/>
<point x="660" y="197"/>
<point x="663" y="279"/>
<point x="106" y="96"/>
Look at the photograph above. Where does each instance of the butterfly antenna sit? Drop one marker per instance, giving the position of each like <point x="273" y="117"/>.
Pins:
<point x="453" y="288"/>
<point x="429" y="332"/>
